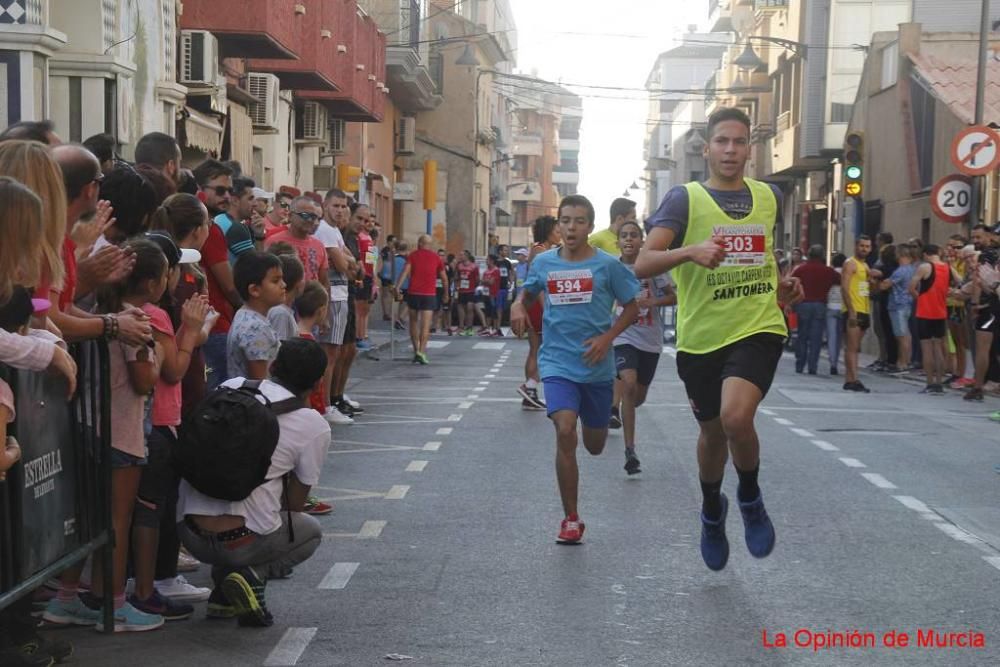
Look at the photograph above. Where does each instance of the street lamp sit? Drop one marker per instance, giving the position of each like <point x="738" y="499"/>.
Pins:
<point x="750" y="61"/>
<point x="527" y="191"/>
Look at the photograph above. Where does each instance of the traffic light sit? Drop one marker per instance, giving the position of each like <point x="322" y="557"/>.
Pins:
<point x="854" y="157"/>
<point x="348" y="178"/>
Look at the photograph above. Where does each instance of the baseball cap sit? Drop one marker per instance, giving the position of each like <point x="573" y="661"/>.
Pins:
<point x="174" y="254"/>
<point x="522" y="251"/>
<point x="289" y="191"/>
<point x="261" y="193"/>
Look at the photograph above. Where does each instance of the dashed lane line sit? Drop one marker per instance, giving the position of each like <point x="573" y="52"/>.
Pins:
<point x="783" y="421"/>
<point x="765" y="411"/>
<point x="432" y="446"/>
<point x="338" y="576"/>
<point x="801" y="431"/>
<point x="477" y="389"/>
<point x="370" y="530"/>
<point x="878" y="480"/>
<point x="465" y="405"/>
<point x="913" y="504"/>
<point x="852" y="463"/>
<point x="397" y="492"/>
<point x="290" y="647"/>
<point x="444" y="430"/>
<point x="483" y="383"/>
<point x="490" y="375"/>
<point x="454" y="418"/>
<point x="826" y="446"/>
<point x="417" y="466"/>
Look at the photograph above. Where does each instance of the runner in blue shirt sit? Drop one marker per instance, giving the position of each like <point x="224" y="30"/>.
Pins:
<point x="580" y="286"/>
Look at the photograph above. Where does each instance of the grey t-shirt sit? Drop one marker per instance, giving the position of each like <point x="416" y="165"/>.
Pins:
<point x="646" y="333"/>
<point x="673" y="210"/>
<point x="282" y="320"/>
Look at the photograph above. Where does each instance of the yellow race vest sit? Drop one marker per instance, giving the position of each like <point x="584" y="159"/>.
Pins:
<point x="738" y="299"/>
<point x="858" y="289"/>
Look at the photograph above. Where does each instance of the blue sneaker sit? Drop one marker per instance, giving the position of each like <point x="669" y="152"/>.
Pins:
<point x="714" y="545"/>
<point x="70" y="613"/>
<point x="130" y="619"/>
<point x="758" y="527"/>
<point x="363" y="344"/>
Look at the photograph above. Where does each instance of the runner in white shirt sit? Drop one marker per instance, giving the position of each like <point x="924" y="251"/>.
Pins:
<point x="637" y="349"/>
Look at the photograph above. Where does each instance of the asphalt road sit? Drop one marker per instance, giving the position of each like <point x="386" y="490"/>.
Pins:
<point x="442" y="544"/>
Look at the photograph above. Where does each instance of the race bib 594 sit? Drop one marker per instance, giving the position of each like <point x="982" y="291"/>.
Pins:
<point x="570" y="287"/>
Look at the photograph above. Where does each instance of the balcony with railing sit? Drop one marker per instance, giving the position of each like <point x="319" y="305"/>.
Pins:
<point x="360" y="66"/>
<point x="269" y="30"/>
<point x="315" y="68"/>
<point x="769" y="5"/>
<point x="411" y="86"/>
<point x="720" y="15"/>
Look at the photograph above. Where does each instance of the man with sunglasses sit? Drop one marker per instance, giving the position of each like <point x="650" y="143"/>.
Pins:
<point x="302" y="223"/>
<point x="276" y="220"/>
<point x="215" y="182"/>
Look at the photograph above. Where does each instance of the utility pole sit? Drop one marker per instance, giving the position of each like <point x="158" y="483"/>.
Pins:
<point x="984" y="40"/>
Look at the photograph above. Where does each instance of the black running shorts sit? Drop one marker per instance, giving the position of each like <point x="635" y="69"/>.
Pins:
<point x="928" y="329"/>
<point x="629" y="357"/>
<point x="754" y="359"/>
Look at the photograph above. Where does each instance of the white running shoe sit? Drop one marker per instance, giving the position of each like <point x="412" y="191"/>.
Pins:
<point x="179" y="590"/>
<point x="335" y="416"/>
<point x="354" y="404"/>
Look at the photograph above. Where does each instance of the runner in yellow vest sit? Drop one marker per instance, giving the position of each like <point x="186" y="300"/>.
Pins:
<point x="718" y="240"/>
<point x="855" y="286"/>
<point x="622" y="210"/>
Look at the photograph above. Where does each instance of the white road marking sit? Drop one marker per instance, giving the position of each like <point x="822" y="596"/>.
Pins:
<point x="370" y="530"/>
<point x="484" y="382"/>
<point x="432" y="446"/>
<point x="804" y="433"/>
<point x="670" y="350"/>
<point x="931" y="516"/>
<point x="471" y="397"/>
<point x="489" y="346"/>
<point x="454" y="418"/>
<point x="765" y="411"/>
<point x="290" y="647"/>
<point x="490" y="375"/>
<point x="852" y="463"/>
<point x="956" y="533"/>
<point x="445" y="430"/>
<point x="479" y="389"/>
<point x="993" y="560"/>
<point x="913" y="504"/>
<point x="824" y="445"/>
<point x="338" y="576"/>
<point x="438" y="344"/>
<point x="783" y="421"/>
<point x="465" y="405"/>
<point x="878" y="480"/>
<point x="397" y="492"/>
<point x="416" y="466"/>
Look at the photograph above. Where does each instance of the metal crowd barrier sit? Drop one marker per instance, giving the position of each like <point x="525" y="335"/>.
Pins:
<point x="55" y="507"/>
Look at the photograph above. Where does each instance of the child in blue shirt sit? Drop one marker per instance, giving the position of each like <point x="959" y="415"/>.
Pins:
<point x="901" y="303"/>
<point x="580" y="286"/>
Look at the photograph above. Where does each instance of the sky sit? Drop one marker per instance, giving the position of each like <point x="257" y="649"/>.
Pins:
<point x="615" y="44"/>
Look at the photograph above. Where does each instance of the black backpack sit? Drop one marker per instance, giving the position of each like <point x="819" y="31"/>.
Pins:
<point x="225" y="443"/>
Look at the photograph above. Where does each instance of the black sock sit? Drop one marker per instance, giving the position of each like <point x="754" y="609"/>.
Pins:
<point x="711" y="504"/>
<point x="748" y="489"/>
<point x="336" y="400"/>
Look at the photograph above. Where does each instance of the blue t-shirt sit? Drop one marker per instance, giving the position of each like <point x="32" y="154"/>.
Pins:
<point x="579" y="302"/>
<point x="900" y="297"/>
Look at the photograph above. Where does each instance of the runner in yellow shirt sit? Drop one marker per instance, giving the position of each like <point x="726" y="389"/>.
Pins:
<point x="622" y="210"/>
<point x="855" y="284"/>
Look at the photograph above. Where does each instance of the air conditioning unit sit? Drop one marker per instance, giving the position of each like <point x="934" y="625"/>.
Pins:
<point x="338" y="135"/>
<point x="314" y="122"/>
<point x="199" y="57"/>
<point x="263" y="112"/>
<point x="324" y="177"/>
<point x="406" y="135"/>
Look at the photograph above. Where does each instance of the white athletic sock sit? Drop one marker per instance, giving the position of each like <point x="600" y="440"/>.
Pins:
<point x="531" y="384"/>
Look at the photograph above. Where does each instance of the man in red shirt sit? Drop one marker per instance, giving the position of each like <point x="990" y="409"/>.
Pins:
<point x="368" y="256"/>
<point x="302" y="223"/>
<point x="929" y="287"/>
<point x="468" y="281"/>
<point x="423" y="268"/>
<point x="817" y="278"/>
<point x="215" y="184"/>
<point x="494" y="307"/>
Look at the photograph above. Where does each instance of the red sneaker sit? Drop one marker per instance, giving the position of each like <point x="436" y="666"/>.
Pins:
<point x="317" y="507"/>
<point x="571" y="530"/>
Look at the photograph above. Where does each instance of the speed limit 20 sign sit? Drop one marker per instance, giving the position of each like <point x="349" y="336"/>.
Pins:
<point x="951" y="198"/>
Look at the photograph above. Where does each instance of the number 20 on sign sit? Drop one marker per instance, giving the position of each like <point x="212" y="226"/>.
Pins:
<point x="951" y="198"/>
